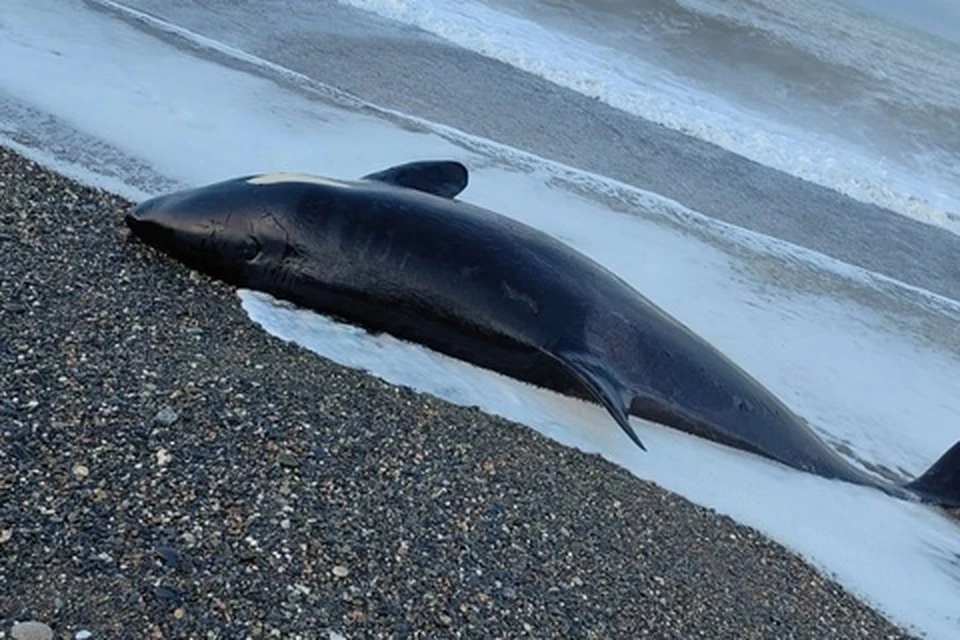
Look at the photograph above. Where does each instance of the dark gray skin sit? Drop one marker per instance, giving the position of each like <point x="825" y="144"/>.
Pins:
<point x="395" y="253"/>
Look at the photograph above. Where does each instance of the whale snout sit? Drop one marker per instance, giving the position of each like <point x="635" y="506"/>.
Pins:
<point x="147" y="226"/>
<point x="195" y="228"/>
<point x="137" y="216"/>
<point x="145" y="211"/>
<point x="154" y="224"/>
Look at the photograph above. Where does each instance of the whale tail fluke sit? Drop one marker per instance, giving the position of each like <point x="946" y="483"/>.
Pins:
<point x="941" y="482"/>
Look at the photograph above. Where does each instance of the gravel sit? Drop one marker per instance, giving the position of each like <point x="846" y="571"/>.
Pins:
<point x="169" y="470"/>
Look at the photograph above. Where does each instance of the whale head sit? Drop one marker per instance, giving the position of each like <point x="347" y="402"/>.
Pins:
<point x="246" y="232"/>
<point x="230" y="230"/>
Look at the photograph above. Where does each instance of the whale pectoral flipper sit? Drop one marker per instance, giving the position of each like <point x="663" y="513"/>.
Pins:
<point x="441" y="178"/>
<point x="603" y="388"/>
<point x="941" y="482"/>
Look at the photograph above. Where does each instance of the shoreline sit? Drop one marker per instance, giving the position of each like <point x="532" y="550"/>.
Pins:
<point x="396" y="66"/>
<point x="174" y="470"/>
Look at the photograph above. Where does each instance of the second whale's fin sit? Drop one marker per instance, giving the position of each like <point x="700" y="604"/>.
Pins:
<point x="604" y="389"/>
<point x="941" y="483"/>
<point x="444" y="178"/>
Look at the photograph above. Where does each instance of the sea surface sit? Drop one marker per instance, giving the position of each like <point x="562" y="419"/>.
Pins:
<point x="861" y="97"/>
<point x="778" y="175"/>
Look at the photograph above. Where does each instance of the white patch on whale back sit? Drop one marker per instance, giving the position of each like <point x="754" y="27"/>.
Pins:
<point x="278" y="178"/>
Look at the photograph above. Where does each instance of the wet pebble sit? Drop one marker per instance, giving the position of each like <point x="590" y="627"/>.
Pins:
<point x="166" y="417"/>
<point x="169" y="555"/>
<point x="31" y="630"/>
<point x="14" y="307"/>
<point x="168" y="594"/>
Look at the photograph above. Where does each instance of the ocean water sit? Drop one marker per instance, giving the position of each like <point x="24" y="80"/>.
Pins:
<point x="196" y="91"/>
<point x="860" y="100"/>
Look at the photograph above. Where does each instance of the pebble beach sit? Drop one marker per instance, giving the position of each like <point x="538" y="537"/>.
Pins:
<point x="169" y="470"/>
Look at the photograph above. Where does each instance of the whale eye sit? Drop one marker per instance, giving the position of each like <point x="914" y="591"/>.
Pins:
<point x="250" y="248"/>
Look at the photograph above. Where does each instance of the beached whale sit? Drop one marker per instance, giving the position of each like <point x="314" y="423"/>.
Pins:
<point x="394" y="252"/>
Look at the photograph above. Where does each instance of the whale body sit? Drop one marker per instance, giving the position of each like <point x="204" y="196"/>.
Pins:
<point x="395" y="252"/>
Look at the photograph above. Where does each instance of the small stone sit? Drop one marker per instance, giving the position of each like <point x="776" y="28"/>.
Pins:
<point x="5" y="535"/>
<point x="166" y="417"/>
<point x="163" y="457"/>
<point x="31" y="630"/>
<point x="341" y="571"/>
<point x="14" y="307"/>
<point x="83" y="634"/>
<point x="165" y="593"/>
<point x="170" y="556"/>
<point x="81" y="471"/>
<point x="288" y="459"/>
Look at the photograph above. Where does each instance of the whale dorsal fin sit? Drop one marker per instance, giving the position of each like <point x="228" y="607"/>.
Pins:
<point x="604" y="389"/>
<point x="444" y="178"/>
